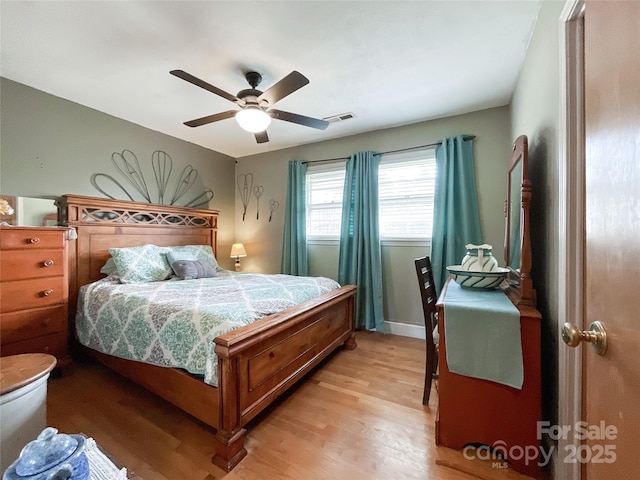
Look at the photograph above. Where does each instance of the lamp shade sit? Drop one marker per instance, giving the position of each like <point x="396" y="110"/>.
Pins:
<point x="237" y="250"/>
<point x="253" y="119"/>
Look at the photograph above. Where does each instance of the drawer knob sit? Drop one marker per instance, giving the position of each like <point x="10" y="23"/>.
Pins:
<point x="46" y="349"/>
<point x="46" y="322"/>
<point x="34" y="240"/>
<point x="46" y="293"/>
<point x="48" y="263"/>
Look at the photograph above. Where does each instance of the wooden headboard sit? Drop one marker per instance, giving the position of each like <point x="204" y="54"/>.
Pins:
<point x="103" y="223"/>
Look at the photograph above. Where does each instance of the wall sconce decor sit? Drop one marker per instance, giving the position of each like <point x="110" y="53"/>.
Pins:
<point x="237" y="251"/>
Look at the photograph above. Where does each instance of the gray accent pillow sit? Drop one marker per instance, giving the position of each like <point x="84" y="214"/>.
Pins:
<point x="192" y="269"/>
<point x="192" y="252"/>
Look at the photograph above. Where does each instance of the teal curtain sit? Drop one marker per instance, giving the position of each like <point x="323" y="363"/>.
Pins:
<point x="360" y="259"/>
<point x="294" y="245"/>
<point x="456" y="218"/>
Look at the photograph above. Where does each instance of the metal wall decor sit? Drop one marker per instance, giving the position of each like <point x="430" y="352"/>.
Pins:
<point x="245" y="186"/>
<point x="273" y="206"/>
<point x="127" y="164"/>
<point x="258" y="190"/>
<point x="247" y="189"/>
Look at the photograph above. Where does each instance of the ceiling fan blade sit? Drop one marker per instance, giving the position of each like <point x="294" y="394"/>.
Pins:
<point x="202" y="84"/>
<point x="211" y="118"/>
<point x="299" y="119"/>
<point x="284" y="87"/>
<point x="262" y="137"/>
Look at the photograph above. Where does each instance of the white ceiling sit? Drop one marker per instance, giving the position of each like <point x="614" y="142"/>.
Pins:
<point x="389" y="63"/>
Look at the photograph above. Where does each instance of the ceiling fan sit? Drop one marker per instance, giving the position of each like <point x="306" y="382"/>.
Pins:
<point x="255" y="112"/>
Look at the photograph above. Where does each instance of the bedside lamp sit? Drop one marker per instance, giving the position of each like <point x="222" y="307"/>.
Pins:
<point x="237" y="251"/>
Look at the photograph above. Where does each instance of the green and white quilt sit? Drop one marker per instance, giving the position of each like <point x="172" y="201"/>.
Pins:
<point x="173" y="323"/>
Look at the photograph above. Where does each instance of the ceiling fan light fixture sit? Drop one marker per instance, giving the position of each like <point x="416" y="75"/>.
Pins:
<point x="253" y="119"/>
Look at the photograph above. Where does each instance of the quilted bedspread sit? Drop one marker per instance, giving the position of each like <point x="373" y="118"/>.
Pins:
<point x="173" y="323"/>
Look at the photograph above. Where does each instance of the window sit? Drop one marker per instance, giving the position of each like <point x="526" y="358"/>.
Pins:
<point x="324" y="187"/>
<point x="406" y="185"/>
<point x="406" y="189"/>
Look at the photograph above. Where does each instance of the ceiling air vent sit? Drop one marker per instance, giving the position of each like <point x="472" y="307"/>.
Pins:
<point x="339" y="118"/>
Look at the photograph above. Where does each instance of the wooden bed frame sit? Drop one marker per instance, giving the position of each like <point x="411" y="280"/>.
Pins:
<point x="256" y="363"/>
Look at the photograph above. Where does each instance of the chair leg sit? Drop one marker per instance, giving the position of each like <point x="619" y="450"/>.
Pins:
<point x="429" y="374"/>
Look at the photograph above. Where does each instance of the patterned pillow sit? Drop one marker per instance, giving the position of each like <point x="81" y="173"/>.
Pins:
<point x="192" y="252"/>
<point x="109" y="268"/>
<point x="143" y="264"/>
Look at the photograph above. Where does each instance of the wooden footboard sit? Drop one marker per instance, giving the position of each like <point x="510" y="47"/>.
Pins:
<point x="262" y="360"/>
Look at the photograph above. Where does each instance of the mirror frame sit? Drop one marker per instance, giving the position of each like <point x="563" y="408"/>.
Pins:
<point x="519" y="284"/>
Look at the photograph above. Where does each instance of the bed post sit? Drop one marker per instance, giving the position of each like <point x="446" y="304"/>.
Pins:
<point x="230" y="435"/>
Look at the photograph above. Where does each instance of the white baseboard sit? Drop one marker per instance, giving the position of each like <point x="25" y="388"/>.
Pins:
<point x="405" y="329"/>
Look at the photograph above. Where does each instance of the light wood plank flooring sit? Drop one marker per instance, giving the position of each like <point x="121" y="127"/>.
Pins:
<point x="358" y="416"/>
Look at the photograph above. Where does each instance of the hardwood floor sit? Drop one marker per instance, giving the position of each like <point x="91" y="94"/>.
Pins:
<point x="358" y="416"/>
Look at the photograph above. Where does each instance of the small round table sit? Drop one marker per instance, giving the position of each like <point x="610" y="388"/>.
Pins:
<point x="23" y="401"/>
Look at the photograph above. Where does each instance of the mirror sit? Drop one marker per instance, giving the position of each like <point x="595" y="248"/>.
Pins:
<point x="514" y="206"/>
<point x="34" y="212"/>
<point x="517" y="243"/>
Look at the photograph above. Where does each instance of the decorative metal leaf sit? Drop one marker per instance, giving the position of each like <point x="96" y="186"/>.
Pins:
<point x="185" y="181"/>
<point x="201" y="200"/>
<point x="94" y="182"/>
<point x="162" y="166"/>
<point x="127" y="164"/>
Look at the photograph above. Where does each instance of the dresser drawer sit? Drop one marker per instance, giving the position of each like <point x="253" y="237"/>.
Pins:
<point x="54" y="344"/>
<point x="19" y="238"/>
<point x="22" y="264"/>
<point x="23" y="294"/>
<point x="23" y="325"/>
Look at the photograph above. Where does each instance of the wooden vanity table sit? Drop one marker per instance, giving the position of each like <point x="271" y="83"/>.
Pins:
<point x="475" y="411"/>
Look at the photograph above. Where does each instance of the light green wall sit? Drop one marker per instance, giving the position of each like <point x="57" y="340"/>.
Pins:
<point x="535" y="113"/>
<point x="263" y="239"/>
<point x="51" y="146"/>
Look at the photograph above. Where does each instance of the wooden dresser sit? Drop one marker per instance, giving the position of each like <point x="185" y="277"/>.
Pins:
<point x="476" y="411"/>
<point x="34" y="292"/>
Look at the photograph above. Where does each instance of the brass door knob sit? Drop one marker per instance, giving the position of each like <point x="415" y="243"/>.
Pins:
<point x="596" y="336"/>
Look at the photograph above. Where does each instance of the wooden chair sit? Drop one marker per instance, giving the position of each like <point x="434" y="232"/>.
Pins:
<point x="429" y="298"/>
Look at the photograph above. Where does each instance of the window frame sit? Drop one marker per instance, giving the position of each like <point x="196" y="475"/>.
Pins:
<point x="389" y="158"/>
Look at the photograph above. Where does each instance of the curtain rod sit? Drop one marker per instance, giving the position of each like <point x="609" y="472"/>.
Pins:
<point x="465" y="137"/>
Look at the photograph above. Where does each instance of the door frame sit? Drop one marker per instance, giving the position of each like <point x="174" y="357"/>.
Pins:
<point x="571" y="218"/>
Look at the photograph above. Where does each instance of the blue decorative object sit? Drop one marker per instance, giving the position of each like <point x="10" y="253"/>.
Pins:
<point x="51" y="456"/>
